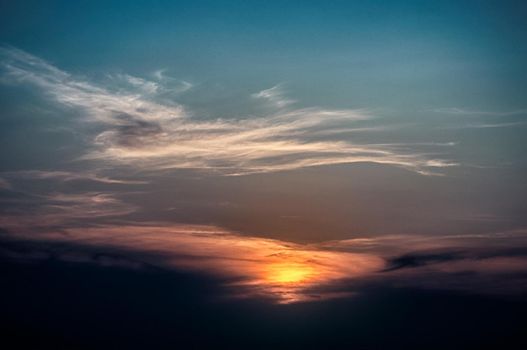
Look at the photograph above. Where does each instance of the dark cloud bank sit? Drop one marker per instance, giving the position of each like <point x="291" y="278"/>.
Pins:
<point x="113" y="299"/>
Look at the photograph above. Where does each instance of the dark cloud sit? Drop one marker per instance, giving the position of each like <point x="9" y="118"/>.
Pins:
<point x="87" y="304"/>
<point x="133" y="132"/>
<point x="414" y="260"/>
<point x="417" y="260"/>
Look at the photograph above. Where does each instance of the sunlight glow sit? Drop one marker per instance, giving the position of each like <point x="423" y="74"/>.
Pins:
<point x="290" y="273"/>
<point x="284" y="271"/>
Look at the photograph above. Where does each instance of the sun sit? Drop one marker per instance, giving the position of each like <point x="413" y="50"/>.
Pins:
<point x="289" y="273"/>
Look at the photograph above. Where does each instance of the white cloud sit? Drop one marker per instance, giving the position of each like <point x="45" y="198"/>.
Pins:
<point x="146" y="86"/>
<point x="472" y="112"/>
<point x="170" y="84"/>
<point x="145" y="134"/>
<point x="275" y="95"/>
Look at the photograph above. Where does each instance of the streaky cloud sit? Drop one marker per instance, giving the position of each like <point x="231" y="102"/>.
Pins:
<point x="4" y="184"/>
<point x="145" y="134"/>
<point x="58" y="210"/>
<point x="274" y="95"/>
<point x="472" y="112"/>
<point x="70" y="176"/>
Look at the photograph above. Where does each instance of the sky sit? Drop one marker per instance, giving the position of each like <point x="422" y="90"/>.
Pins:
<point x="301" y="157"/>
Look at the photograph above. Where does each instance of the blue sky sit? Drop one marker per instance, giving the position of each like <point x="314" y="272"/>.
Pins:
<point x="407" y="55"/>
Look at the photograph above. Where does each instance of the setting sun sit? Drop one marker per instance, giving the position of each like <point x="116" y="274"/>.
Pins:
<point x="289" y="273"/>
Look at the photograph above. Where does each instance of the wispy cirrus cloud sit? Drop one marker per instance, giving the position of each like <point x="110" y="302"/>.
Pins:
<point x="59" y="210"/>
<point x="486" y="125"/>
<point x="274" y="95"/>
<point x="70" y="176"/>
<point x="170" y="84"/>
<point x="161" y="85"/>
<point x="146" y="86"/>
<point x="144" y="133"/>
<point x="480" y="119"/>
<point x="473" y="112"/>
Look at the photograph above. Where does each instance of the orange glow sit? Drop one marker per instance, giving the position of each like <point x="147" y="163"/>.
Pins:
<point x="289" y="273"/>
<point x="261" y="267"/>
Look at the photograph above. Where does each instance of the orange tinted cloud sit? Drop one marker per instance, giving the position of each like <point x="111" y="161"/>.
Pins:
<point x="264" y="267"/>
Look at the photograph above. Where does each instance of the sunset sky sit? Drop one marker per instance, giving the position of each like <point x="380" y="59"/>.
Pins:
<point x="304" y="156"/>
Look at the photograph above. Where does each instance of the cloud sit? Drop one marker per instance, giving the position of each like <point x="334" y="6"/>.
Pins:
<point x="472" y="112"/>
<point x="162" y="86"/>
<point x="418" y="260"/>
<point x="4" y="184"/>
<point x="145" y="134"/>
<point x="398" y="245"/>
<point x="170" y="84"/>
<point x="485" y="264"/>
<point x="148" y="87"/>
<point x="59" y="210"/>
<point x="478" y="119"/>
<point x="493" y="125"/>
<point x="70" y="176"/>
<point x="274" y="95"/>
<point x="254" y="266"/>
<point x="285" y="271"/>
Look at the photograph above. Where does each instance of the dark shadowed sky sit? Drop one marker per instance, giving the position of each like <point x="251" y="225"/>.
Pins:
<point x="285" y="152"/>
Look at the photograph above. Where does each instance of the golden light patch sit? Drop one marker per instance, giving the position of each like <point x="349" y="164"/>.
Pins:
<point x="289" y="273"/>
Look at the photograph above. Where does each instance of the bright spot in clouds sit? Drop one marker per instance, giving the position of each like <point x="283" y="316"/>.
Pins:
<point x="257" y="266"/>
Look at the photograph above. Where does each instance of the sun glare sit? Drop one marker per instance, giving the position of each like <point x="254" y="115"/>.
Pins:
<point x="289" y="273"/>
